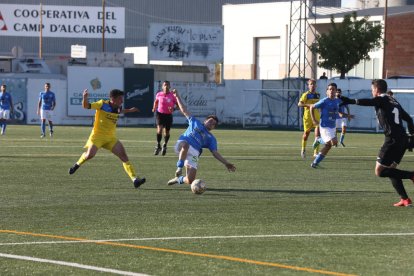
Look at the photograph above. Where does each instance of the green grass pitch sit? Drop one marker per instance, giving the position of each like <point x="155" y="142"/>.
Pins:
<point x="274" y="216"/>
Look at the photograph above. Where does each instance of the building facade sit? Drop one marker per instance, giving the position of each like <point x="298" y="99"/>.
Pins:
<point x="261" y="51"/>
<point x="138" y="16"/>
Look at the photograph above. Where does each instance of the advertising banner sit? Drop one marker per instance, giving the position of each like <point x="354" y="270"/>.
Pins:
<point x="62" y="21"/>
<point x="199" y="98"/>
<point x="98" y="80"/>
<point x="186" y="42"/>
<point x="139" y="87"/>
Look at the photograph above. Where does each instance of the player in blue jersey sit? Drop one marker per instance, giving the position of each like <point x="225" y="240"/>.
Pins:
<point x="190" y="144"/>
<point x="6" y="107"/>
<point x="329" y="108"/>
<point x="45" y="107"/>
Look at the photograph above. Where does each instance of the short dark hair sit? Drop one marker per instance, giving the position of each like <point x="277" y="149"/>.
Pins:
<point x="339" y="90"/>
<point x="47" y="83"/>
<point x="114" y="93"/>
<point x="167" y="82"/>
<point x="214" y="117"/>
<point x="5" y="86"/>
<point x="380" y="84"/>
<point x="333" y="84"/>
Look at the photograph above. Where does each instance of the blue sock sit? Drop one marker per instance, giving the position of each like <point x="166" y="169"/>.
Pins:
<point x="3" y="127"/>
<point x="51" y="128"/>
<point x="319" y="158"/>
<point x="43" y="127"/>
<point x="181" y="180"/>
<point x="180" y="163"/>
<point x="341" y="139"/>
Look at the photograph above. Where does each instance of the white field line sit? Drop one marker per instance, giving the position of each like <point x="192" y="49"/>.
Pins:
<point x="321" y="235"/>
<point x="89" y="267"/>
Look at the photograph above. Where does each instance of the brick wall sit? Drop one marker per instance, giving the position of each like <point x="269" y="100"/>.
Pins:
<point x="399" y="55"/>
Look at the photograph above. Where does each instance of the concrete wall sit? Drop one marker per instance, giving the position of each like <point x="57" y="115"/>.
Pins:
<point x="237" y="102"/>
<point x="270" y="20"/>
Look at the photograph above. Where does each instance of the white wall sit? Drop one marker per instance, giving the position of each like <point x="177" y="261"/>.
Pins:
<point x="233" y="101"/>
<point x="242" y="23"/>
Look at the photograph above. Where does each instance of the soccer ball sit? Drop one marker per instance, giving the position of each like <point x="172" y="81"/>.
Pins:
<point x="198" y="186"/>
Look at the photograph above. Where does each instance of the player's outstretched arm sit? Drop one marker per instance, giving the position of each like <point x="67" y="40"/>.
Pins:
<point x="181" y="105"/>
<point x="85" y="102"/>
<point x="346" y="100"/>
<point x="230" y="167"/>
<point x="129" y="110"/>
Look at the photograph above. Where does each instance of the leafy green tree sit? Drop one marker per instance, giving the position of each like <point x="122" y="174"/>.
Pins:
<point x="347" y="43"/>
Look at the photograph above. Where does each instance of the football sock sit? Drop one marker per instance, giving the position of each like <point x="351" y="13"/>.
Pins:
<point x="43" y="127"/>
<point x="166" y="139"/>
<point x="399" y="187"/>
<point x="396" y="173"/>
<point x="159" y="136"/>
<point x="3" y="128"/>
<point x="50" y="126"/>
<point x="180" y="163"/>
<point x="130" y="170"/>
<point x="341" y="139"/>
<point x="303" y="144"/>
<point x="319" y="158"/>
<point x="81" y="160"/>
<point x="181" y="179"/>
<point x="316" y="150"/>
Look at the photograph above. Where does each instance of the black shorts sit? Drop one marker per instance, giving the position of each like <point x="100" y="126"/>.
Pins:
<point x="165" y="120"/>
<point x="392" y="151"/>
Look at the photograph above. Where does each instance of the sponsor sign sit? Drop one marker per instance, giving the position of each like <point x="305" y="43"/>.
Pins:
<point x="186" y="42"/>
<point x="199" y="98"/>
<point x="139" y="87"/>
<point x="62" y="21"/>
<point x="78" y="51"/>
<point x="98" y="80"/>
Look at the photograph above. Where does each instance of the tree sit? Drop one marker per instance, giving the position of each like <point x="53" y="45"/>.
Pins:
<point x="347" y="43"/>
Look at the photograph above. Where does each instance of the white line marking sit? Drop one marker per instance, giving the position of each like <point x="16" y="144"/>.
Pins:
<point x="100" y="269"/>
<point x="224" y="237"/>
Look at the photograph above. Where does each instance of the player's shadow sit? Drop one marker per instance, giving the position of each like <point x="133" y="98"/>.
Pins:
<point x="298" y="192"/>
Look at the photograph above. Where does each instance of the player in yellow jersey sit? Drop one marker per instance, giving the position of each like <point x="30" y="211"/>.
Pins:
<point x="306" y="100"/>
<point x="103" y="133"/>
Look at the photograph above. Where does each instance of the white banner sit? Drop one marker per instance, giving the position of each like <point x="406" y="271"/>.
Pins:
<point x="61" y="21"/>
<point x="185" y="42"/>
<point x="98" y="80"/>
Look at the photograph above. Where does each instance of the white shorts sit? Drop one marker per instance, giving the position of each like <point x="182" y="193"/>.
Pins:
<point x="327" y="133"/>
<point x="46" y="114"/>
<point x="193" y="155"/>
<point x="341" y="122"/>
<point x="4" y="114"/>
